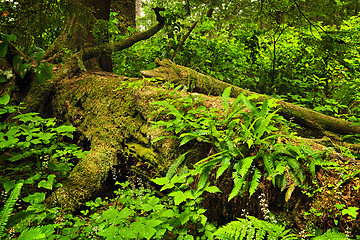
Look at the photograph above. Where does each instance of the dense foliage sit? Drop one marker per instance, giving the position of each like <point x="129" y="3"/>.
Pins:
<point x="300" y="51"/>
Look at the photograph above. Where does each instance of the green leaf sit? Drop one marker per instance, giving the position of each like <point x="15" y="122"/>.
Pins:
<point x="17" y="61"/>
<point x="352" y="211"/>
<point x="225" y="163"/>
<point x="35" y="198"/>
<point x="187" y="237"/>
<point x="168" y="213"/>
<point x="64" y="129"/>
<point x="137" y="227"/>
<point x="172" y="169"/>
<point x="36" y="53"/>
<point x="8" y="38"/>
<point x="212" y="189"/>
<point x="27" y="117"/>
<point x="203" y="178"/>
<point x="4" y="100"/>
<point x="3" y="79"/>
<point x="48" y="184"/>
<point x="23" y="69"/>
<point x="8" y="185"/>
<point x="161" y="181"/>
<point x="246" y="164"/>
<point x="264" y="108"/>
<point x="9" y="205"/>
<point x="250" y="106"/>
<point x="238" y="184"/>
<point x="268" y="164"/>
<point x="3" y="49"/>
<point x="173" y="110"/>
<point x="109" y="232"/>
<point x="43" y="72"/>
<point x="339" y="206"/>
<point x="31" y="180"/>
<point x="180" y="196"/>
<point x="151" y="223"/>
<point x="186" y="137"/>
<point x="264" y="123"/>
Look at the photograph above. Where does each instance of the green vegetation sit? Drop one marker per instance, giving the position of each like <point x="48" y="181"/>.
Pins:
<point x="297" y="51"/>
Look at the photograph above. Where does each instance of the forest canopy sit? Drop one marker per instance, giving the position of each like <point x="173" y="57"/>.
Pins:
<point x="194" y="119"/>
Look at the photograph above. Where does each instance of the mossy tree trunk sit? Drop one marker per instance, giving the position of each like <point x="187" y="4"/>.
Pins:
<point x="86" y="28"/>
<point x="108" y="120"/>
<point x="126" y="10"/>
<point x="116" y="124"/>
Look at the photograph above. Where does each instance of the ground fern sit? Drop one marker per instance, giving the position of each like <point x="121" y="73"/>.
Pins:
<point x="332" y="234"/>
<point x="9" y="206"/>
<point x="252" y="228"/>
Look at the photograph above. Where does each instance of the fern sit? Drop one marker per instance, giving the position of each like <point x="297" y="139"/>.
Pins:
<point x="32" y="233"/>
<point x="9" y="205"/>
<point x="331" y="234"/>
<point x="246" y="165"/>
<point x="238" y="182"/>
<point x="255" y="181"/>
<point x="252" y="228"/>
<point x="268" y="164"/>
<point x="225" y="98"/>
<point x="174" y="167"/>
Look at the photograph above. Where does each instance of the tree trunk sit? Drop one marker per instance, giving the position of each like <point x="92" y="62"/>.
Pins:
<point x="126" y="10"/>
<point x="108" y="120"/>
<point x="87" y="28"/>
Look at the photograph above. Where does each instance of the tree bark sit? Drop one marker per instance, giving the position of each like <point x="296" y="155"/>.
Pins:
<point x="126" y="10"/>
<point x="87" y="28"/>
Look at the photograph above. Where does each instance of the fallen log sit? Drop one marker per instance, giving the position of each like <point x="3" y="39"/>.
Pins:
<point x="201" y="83"/>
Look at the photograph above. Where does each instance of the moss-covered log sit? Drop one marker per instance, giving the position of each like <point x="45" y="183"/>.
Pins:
<point x="115" y="120"/>
<point x="201" y="83"/>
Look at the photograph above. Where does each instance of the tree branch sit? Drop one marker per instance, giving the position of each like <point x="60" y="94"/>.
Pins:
<point x="92" y="52"/>
<point x="184" y="39"/>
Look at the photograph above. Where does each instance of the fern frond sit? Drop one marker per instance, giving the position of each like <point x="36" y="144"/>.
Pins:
<point x="252" y="228"/>
<point x="268" y="164"/>
<point x="264" y="109"/>
<point x="225" y="98"/>
<point x="32" y="233"/>
<point x="174" y="167"/>
<point x="238" y="185"/>
<point x="331" y="234"/>
<point x="255" y="181"/>
<point x="9" y="205"/>
<point x="246" y="164"/>
<point x="249" y="105"/>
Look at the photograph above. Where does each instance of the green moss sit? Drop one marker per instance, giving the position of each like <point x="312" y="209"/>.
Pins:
<point x="115" y="122"/>
<point x="146" y="154"/>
